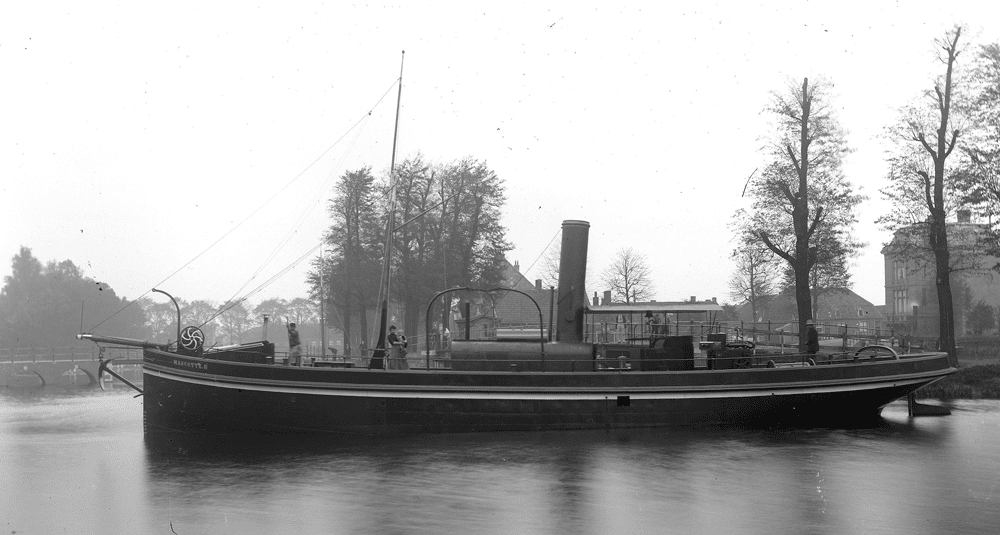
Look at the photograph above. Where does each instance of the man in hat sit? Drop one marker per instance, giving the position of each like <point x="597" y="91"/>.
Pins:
<point x="812" y="338"/>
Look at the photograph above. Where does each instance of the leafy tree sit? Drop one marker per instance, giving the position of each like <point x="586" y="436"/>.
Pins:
<point x="447" y="233"/>
<point x="834" y="248"/>
<point x="302" y="311"/>
<point x="351" y="268"/>
<point x="730" y="312"/>
<point x="473" y="240"/>
<point x="275" y="308"/>
<point x="234" y="322"/>
<point x="802" y="189"/>
<point x="417" y="238"/>
<point x="201" y="314"/>
<point x="980" y="179"/>
<point x="42" y="306"/>
<point x="928" y="136"/>
<point x="981" y="318"/>
<point x="628" y="277"/>
<point x="161" y="319"/>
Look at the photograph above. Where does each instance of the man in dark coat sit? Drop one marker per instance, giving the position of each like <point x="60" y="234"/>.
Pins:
<point x="812" y="338"/>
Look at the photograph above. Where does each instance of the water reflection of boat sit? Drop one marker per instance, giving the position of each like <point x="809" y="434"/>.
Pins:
<point x="500" y="385"/>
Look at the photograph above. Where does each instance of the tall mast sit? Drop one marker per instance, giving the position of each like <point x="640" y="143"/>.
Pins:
<point x="379" y="354"/>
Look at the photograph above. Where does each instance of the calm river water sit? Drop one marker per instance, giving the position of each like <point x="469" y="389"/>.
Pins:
<point x="74" y="461"/>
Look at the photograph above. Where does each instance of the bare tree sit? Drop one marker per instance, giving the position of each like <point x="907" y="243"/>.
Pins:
<point x="549" y="270"/>
<point x="628" y="277"/>
<point x="755" y="278"/>
<point x="932" y="136"/>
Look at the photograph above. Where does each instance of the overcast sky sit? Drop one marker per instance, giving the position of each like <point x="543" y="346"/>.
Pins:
<point x="135" y="136"/>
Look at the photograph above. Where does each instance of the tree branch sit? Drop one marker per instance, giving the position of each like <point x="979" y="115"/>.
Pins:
<point x="787" y="192"/>
<point x="951" y="144"/>
<point x="816" y="219"/>
<point x="774" y="248"/>
<point x="920" y="138"/>
<point x="795" y="161"/>
<point x="927" y="189"/>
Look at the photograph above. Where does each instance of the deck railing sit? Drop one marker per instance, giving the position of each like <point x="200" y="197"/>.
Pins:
<point x="781" y="335"/>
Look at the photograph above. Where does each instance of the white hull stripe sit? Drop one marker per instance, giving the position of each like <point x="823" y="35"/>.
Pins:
<point x="392" y="391"/>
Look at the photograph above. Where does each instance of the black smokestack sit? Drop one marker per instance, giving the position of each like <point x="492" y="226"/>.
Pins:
<point x="572" y="295"/>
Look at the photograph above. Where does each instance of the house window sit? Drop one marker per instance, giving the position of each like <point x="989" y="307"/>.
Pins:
<point x="900" y="301"/>
<point x="899" y="270"/>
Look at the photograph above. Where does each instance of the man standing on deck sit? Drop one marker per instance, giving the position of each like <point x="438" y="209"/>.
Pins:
<point x="294" y="348"/>
<point x="812" y="338"/>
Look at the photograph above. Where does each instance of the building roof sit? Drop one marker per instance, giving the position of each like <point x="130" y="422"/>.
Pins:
<point x="914" y="239"/>
<point x="835" y="304"/>
<point x="513" y="308"/>
<point x="656" y="307"/>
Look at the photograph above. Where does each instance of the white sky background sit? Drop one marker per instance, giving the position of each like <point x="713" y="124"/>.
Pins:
<point x="133" y="137"/>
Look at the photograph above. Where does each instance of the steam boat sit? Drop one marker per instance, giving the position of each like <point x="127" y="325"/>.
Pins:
<point x="498" y="385"/>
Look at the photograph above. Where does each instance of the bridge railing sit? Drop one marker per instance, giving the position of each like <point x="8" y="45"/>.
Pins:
<point x="66" y="354"/>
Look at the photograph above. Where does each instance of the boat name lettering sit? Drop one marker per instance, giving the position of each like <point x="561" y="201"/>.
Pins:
<point x="196" y="365"/>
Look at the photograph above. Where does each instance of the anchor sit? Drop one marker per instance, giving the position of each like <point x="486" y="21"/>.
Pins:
<point x="103" y="367"/>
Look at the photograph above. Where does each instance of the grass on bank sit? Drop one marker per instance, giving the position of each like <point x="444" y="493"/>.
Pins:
<point x="969" y="382"/>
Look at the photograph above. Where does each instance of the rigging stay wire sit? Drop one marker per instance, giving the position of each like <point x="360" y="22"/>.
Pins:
<point x="258" y="209"/>
<point x="301" y="219"/>
<point x="544" y="250"/>
<point x="223" y="308"/>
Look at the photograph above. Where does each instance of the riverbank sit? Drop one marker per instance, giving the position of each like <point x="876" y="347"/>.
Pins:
<point x="969" y="382"/>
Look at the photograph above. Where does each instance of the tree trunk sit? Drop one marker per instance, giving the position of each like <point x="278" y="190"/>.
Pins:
<point x="800" y="218"/>
<point x="946" y="307"/>
<point x="939" y="234"/>
<point x="345" y="315"/>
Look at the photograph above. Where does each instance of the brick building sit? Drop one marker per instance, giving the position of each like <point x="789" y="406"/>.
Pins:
<point x="910" y="291"/>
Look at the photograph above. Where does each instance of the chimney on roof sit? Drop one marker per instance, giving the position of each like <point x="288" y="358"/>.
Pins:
<point x="538" y="285"/>
<point x="517" y="266"/>
<point x="714" y="301"/>
<point x="693" y="299"/>
<point x="595" y="299"/>
<point x="607" y="297"/>
<point x="965" y="216"/>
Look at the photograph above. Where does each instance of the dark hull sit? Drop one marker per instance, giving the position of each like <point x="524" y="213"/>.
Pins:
<point x="190" y="394"/>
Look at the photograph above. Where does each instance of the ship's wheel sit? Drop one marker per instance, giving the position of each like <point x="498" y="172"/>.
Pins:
<point x="192" y="339"/>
